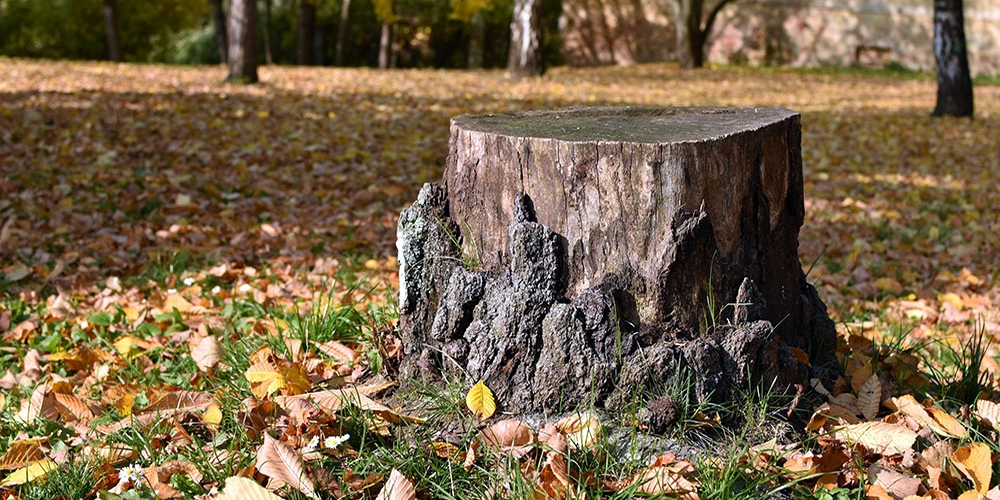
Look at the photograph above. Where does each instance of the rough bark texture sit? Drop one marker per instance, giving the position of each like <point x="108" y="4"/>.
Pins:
<point x="581" y="255"/>
<point x="221" y="39"/>
<point x="242" y="59"/>
<point x="111" y="30"/>
<point x="525" y="54"/>
<point x="954" y="93"/>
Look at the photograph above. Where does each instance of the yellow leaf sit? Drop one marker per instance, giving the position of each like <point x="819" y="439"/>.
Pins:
<point x="264" y="379"/>
<point x="480" y="401"/>
<point x="212" y="415"/>
<point x="175" y="301"/>
<point x="870" y="396"/>
<point x="20" y="453"/>
<point x="975" y="462"/>
<point x="32" y="471"/>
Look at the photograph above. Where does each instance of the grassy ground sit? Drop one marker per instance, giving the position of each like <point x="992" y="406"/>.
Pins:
<point x="179" y="258"/>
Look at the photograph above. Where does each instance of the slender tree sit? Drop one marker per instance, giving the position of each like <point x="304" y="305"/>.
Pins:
<point x="267" y="33"/>
<point x="954" y="91"/>
<point x="307" y="32"/>
<point x="385" y="14"/>
<point x="219" y="19"/>
<point x="242" y="41"/>
<point x="693" y="28"/>
<point x="524" y="57"/>
<point x="111" y="30"/>
<point x="345" y="16"/>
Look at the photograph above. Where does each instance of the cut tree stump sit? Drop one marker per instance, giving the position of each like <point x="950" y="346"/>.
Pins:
<point x="582" y="255"/>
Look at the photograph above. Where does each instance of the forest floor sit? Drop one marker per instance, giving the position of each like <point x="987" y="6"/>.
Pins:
<point x="179" y="258"/>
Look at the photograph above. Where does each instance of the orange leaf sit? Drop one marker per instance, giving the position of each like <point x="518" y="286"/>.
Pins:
<point x="976" y="464"/>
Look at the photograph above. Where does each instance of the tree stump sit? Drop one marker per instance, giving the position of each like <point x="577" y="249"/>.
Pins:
<point x="580" y="255"/>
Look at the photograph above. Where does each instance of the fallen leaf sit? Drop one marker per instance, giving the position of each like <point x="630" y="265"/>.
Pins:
<point x="241" y="488"/>
<point x="34" y="470"/>
<point x="976" y="463"/>
<point x="583" y="430"/>
<point x="480" y="400"/>
<point x="870" y="397"/>
<point x="878" y="437"/>
<point x="397" y="487"/>
<point x="509" y="436"/>
<point x="280" y="461"/>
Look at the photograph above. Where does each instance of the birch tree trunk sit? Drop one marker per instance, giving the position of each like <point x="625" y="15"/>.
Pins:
<point x="385" y="46"/>
<point x="525" y="54"/>
<point x="954" y="92"/>
<point x="242" y="59"/>
<point x="345" y="16"/>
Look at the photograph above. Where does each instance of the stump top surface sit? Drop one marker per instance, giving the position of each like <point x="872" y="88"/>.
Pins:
<point x="656" y="125"/>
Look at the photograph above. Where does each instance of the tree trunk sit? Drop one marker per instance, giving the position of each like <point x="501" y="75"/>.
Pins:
<point x="385" y="46"/>
<point x="268" y="59"/>
<point x="608" y="248"/>
<point x="525" y="54"/>
<point x="307" y="32"/>
<point x="219" y="17"/>
<point x="345" y="16"/>
<point x="693" y="32"/>
<point x="477" y="40"/>
<point x="111" y="30"/>
<point x="954" y="93"/>
<point x="242" y="41"/>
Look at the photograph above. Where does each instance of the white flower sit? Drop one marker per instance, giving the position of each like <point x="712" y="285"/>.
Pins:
<point x="131" y="473"/>
<point x="335" y="441"/>
<point x="188" y="281"/>
<point x="244" y="288"/>
<point x="171" y="291"/>
<point x="312" y="444"/>
<point x="216" y="289"/>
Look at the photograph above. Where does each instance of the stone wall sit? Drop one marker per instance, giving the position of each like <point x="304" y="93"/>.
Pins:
<point x="870" y="33"/>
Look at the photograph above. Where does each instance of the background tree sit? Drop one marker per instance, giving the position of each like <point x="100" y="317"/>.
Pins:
<point x="525" y="53"/>
<point x="343" y="27"/>
<point x="110" y="8"/>
<point x="385" y="15"/>
<point x="268" y="58"/>
<point x="219" y="20"/>
<point x="307" y="32"/>
<point x="242" y="60"/>
<point x="693" y="28"/>
<point x="954" y="92"/>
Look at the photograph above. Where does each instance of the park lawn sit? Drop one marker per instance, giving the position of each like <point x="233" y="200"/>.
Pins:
<point x="179" y="258"/>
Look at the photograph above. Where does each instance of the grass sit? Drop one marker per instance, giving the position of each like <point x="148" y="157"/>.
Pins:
<point x="106" y="327"/>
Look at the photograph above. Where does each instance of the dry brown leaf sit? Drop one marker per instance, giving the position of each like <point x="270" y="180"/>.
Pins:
<point x="339" y="352"/>
<point x="550" y="437"/>
<point x="876" y="492"/>
<point x="397" y="487"/>
<point x="20" y="453"/>
<point x="241" y="488"/>
<point x="896" y="483"/>
<point x="71" y="408"/>
<point x="989" y="412"/>
<point x="970" y="495"/>
<point x="205" y="351"/>
<point x="870" y="397"/>
<point x="668" y="477"/>
<point x="878" y="437"/>
<point x="278" y="460"/>
<point x="947" y="425"/>
<point x="332" y="400"/>
<point x="976" y="463"/>
<point x="508" y="436"/>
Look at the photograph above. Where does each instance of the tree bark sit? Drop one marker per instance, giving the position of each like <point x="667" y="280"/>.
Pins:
<point x="607" y="248"/>
<point x="345" y="16"/>
<point x="307" y="32"/>
<point x="242" y="59"/>
<point x="954" y="92"/>
<point x="221" y="39"/>
<point x="525" y="54"/>
<point x="111" y="30"/>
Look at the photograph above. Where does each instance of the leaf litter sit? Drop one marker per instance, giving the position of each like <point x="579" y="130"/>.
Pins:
<point x="142" y="205"/>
